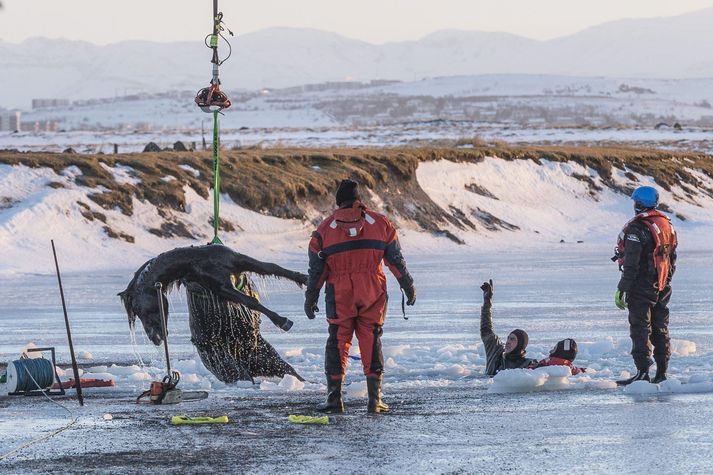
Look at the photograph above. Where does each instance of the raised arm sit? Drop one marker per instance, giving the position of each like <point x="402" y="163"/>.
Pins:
<point x="494" y="347"/>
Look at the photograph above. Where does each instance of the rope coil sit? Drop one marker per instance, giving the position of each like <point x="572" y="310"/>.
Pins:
<point x="26" y="375"/>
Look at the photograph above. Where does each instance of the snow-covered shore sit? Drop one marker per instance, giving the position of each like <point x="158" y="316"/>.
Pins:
<point x="495" y="204"/>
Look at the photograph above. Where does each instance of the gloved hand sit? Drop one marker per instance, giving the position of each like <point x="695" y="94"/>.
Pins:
<point x="620" y="299"/>
<point x="410" y="292"/>
<point x="488" y="289"/>
<point x="311" y="298"/>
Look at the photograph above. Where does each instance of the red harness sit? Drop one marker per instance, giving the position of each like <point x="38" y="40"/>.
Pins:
<point x="665" y="241"/>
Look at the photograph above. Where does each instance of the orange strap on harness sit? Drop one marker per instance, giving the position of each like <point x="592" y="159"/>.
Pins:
<point x="665" y="242"/>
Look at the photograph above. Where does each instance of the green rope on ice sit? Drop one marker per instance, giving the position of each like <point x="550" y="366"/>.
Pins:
<point x="300" y="419"/>
<point x="187" y="420"/>
<point x="216" y="180"/>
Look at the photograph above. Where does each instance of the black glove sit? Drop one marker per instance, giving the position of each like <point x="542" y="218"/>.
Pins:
<point x="311" y="298"/>
<point x="410" y="295"/>
<point x="488" y="290"/>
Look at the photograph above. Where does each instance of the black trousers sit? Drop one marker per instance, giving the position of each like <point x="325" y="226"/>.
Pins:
<point x="648" y="326"/>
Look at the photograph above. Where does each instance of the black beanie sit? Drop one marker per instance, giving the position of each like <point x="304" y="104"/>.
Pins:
<point x="522" y="340"/>
<point x="566" y="349"/>
<point x="347" y="192"/>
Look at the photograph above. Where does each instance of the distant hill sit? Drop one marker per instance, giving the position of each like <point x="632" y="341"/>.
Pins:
<point x="672" y="47"/>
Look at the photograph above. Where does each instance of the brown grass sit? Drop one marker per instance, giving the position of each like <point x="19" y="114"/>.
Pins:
<point x="286" y="182"/>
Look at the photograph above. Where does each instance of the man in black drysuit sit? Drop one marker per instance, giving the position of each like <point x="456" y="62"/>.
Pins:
<point x="642" y="289"/>
<point x="501" y="356"/>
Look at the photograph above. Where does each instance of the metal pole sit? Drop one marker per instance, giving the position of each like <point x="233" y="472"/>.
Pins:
<point x="75" y="369"/>
<point x="162" y="312"/>
<point x="215" y="17"/>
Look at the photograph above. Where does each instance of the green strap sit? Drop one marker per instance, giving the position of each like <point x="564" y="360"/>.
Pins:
<point x="216" y="180"/>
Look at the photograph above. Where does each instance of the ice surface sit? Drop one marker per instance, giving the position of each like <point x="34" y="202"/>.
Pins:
<point x="434" y="368"/>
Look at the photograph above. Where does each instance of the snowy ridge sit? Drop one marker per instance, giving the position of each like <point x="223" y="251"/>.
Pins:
<point x="496" y="202"/>
<point x="551" y="201"/>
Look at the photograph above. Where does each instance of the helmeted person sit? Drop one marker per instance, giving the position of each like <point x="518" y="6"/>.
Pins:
<point x="646" y="253"/>
<point x="501" y="356"/>
<point x="346" y="253"/>
<point x="563" y="354"/>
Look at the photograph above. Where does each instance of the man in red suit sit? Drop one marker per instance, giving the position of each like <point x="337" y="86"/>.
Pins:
<point x="345" y="253"/>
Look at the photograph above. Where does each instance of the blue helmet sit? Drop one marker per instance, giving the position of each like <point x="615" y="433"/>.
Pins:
<point x="645" y="197"/>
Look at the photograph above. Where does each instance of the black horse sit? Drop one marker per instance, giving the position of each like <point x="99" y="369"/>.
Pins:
<point x="224" y="307"/>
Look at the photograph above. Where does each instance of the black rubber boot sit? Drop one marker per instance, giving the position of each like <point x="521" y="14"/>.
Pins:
<point x="333" y="404"/>
<point x="375" y="404"/>
<point x="641" y="375"/>
<point x="660" y="376"/>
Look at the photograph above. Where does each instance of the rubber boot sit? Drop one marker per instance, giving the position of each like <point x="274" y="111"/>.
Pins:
<point x="641" y="375"/>
<point x="375" y="404"/>
<point x="661" y="367"/>
<point x="333" y="404"/>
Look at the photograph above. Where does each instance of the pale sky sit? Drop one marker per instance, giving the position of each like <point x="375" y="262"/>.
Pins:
<point x="375" y="21"/>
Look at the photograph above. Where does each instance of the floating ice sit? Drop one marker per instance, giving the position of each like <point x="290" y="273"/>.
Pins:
<point x="526" y="380"/>
<point x="396" y="350"/>
<point x="104" y="376"/>
<point x="294" y="352"/>
<point x="682" y="347"/>
<point x="641" y="387"/>
<point x="357" y="389"/>
<point x="290" y="383"/>
<point x="117" y="370"/>
<point x="139" y="376"/>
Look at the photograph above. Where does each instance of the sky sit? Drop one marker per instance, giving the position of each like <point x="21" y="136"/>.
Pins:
<point x="375" y="21"/>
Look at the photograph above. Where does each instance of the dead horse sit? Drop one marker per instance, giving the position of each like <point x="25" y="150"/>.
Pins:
<point x="223" y="306"/>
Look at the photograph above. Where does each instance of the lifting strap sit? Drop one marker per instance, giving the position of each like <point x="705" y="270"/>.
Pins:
<point x="212" y="100"/>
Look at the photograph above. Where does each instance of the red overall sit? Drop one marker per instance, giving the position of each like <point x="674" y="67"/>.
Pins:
<point x="346" y="253"/>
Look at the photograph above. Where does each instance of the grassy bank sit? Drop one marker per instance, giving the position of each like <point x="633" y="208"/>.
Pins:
<point x="289" y="182"/>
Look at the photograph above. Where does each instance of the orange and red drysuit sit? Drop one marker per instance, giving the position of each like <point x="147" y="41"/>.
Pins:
<point x="345" y="253"/>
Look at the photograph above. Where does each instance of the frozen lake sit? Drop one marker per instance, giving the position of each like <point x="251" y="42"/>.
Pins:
<point x="444" y="419"/>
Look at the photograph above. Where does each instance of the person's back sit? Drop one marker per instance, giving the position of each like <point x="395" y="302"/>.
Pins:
<point x="346" y="252"/>
<point x="640" y="274"/>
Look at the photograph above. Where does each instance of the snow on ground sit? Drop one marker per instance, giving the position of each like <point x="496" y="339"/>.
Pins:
<point x="39" y="213"/>
<point x="549" y="203"/>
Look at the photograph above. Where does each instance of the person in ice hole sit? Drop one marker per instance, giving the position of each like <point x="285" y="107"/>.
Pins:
<point x="511" y="355"/>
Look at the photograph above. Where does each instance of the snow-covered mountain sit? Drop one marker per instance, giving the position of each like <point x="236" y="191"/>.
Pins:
<point x="672" y="47"/>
